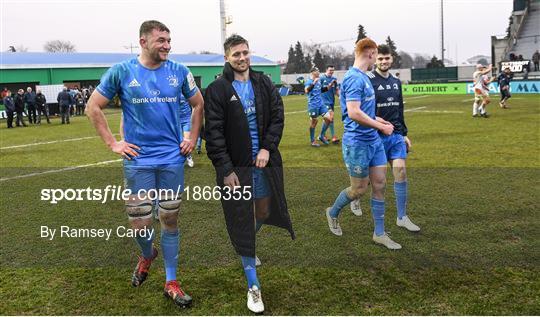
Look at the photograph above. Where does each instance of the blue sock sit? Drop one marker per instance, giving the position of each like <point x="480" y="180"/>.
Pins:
<point x="342" y="200"/>
<point x="400" y="190"/>
<point x="377" y="212"/>
<point x="199" y="143"/>
<point x="332" y="129"/>
<point x="146" y="245"/>
<point x="258" y="225"/>
<point x="312" y="134"/>
<point x="170" y="248"/>
<point x="251" y="271"/>
<point x="324" y="127"/>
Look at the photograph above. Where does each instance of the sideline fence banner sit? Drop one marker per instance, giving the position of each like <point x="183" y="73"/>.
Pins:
<point x="516" y="87"/>
<point x="435" y="89"/>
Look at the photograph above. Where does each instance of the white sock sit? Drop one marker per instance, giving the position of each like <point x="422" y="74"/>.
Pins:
<point x="482" y="110"/>
<point x="474" y="109"/>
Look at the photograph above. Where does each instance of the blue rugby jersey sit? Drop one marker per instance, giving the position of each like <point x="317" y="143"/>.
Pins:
<point x="244" y="89"/>
<point x="328" y="97"/>
<point x="314" y="96"/>
<point x="151" y="107"/>
<point x="357" y="87"/>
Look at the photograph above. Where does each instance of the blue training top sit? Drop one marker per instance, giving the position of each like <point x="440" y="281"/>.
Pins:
<point x="244" y="89"/>
<point x="314" y="96"/>
<point x="151" y="107"/>
<point x="328" y="97"/>
<point x="357" y="87"/>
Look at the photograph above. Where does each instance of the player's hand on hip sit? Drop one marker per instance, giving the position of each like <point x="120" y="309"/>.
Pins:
<point x="231" y="180"/>
<point x="186" y="146"/>
<point x="262" y="158"/>
<point x="387" y="129"/>
<point x="407" y="143"/>
<point x="127" y="150"/>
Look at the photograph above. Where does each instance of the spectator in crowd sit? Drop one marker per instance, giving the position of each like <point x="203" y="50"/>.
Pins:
<point x="536" y="60"/>
<point x="8" y="102"/>
<point x="520" y="57"/>
<point x="512" y="57"/>
<point x="80" y="103"/>
<point x="64" y="102"/>
<point x="5" y="92"/>
<point x="30" y="100"/>
<point x="85" y="94"/>
<point x="42" y="108"/>
<point x="71" y="112"/>
<point x="19" y="108"/>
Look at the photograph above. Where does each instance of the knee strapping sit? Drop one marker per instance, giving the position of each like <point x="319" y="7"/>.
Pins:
<point x="141" y="209"/>
<point x="169" y="206"/>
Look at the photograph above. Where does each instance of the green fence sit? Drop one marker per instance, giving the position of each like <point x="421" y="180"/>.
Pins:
<point x="434" y="74"/>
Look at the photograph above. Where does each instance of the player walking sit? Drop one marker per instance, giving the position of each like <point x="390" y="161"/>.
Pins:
<point x="389" y="101"/>
<point x="363" y="151"/>
<point x="150" y="87"/>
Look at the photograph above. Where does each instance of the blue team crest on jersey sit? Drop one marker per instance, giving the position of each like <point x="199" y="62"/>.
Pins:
<point x="154" y="92"/>
<point x="173" y="80"/>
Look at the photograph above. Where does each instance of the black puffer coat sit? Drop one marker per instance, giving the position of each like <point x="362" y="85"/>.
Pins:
<point x="228" y="144"/>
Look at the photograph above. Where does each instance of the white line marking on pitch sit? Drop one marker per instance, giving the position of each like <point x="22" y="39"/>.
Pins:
<point x="414" y="109"/>
<point x="49" y="142"/>
<point x="439" y="111"/>
<point x="416" y="97"/>
<point x="59" y="170"/>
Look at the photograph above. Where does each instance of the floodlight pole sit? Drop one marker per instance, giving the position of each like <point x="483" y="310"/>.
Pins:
<point x="442" y="32"/>
<point x="224" y="20"/>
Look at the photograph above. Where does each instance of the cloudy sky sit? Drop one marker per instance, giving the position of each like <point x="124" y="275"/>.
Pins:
<point x="270" y="26"/>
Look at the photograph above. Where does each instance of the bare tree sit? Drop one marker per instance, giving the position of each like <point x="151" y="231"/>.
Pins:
<point x="59" y="46"/>
<point x="421" y="60"/>
<point x="19" y="48"/>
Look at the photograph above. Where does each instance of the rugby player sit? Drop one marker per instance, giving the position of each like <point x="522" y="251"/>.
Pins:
<point x="328" y="99"/>
<point x="481" y="90"/>
<point x="389" y="102"/>
<point x="243" y="127"/>
<point x="363" y="151"/>
<point x="313" y="88"/>
<point x="504" y="86"/>
<point x="149" y="87"/>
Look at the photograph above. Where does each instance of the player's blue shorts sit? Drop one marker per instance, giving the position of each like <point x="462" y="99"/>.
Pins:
<point x="394" y="146"/>
<point x="316" y="111"/>
<point x="185" y="121"/>
<point x="261" y="187"/>
<point x="329" y="106"/>
<point x="146" y="177"/>
<point x="359" y="158"/>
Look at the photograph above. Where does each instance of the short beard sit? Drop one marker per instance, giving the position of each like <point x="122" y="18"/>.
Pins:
<point x="236" y="70"/>
<point x="156" y="58"/>
<point x="382" y="70"/>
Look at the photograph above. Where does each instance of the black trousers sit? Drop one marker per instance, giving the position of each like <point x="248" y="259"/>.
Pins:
<point x="9" y="118"/>
<point x="64" y="110"/>
<point x="45" y="110"/>
<point x="505" y="94"/>
<point x="32" y="114"/>
<point x="20" y="119"/>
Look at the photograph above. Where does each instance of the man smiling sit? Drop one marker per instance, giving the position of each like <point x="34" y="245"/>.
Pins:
<point x="244" y="122"/>
<point x="154" y="150"/>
